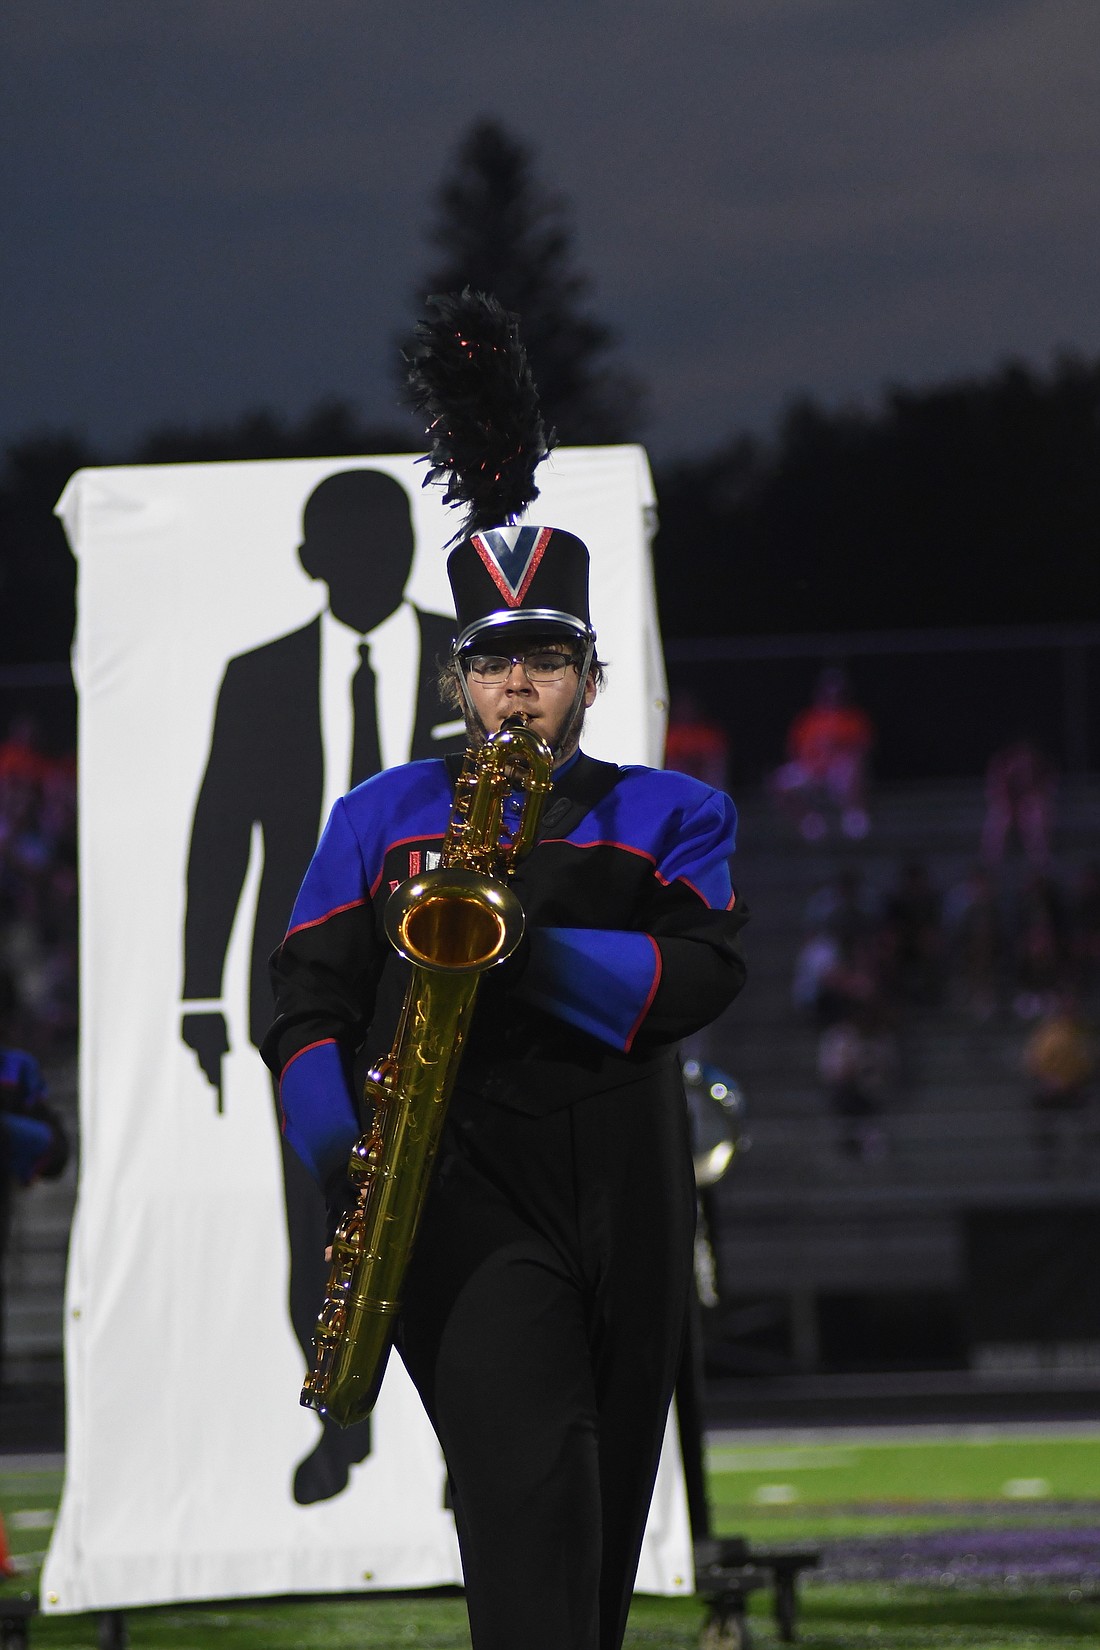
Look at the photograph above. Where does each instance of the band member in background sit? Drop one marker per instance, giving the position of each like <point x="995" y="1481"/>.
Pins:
<point x="544" y="1306"/>
<point x="33" y="1142"/>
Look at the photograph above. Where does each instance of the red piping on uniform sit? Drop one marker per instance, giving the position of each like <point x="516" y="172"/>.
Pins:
<point x="401" y="842"/>
<point x="627" y="848"/>
<point x="601" y="842"/>
<point x="647" y="1005"/>
<point x="314" y="922"/>
<point x="320" y="1043"/>
<point x="687" y="882"/>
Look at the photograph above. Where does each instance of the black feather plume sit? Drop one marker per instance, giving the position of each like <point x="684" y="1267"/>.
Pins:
<point x="469" y="377"/>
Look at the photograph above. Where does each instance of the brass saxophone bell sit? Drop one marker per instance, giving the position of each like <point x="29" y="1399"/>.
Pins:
<point x="455" y="920"/>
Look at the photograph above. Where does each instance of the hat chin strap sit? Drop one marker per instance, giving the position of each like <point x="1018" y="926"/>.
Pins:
<point x="576" y="709"/>
<point x="573" y="716"/>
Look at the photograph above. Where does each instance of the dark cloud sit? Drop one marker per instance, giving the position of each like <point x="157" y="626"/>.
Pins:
<point x="872" y="26"/>
<point x="212" y="206"/>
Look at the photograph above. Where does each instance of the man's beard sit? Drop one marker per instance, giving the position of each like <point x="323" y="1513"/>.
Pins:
<point x="476" y="734"/>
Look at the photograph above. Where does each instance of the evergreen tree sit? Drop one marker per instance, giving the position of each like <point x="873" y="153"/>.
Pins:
<point x="498" y="230"/>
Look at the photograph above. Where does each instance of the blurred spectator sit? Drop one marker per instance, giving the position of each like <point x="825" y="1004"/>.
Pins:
<point x="913" y="939"/>
<point x="832" y="980"/>
<point x="33" y="1144"/>
<point x="857" y="1061"/>
<point x="696" y="744"/>
<point x="976" y="941"/>
<point x="1019" y="792"/>
<point x="827" y="749"/>
<point x="1085" y="928"/>
<point x="845" y="908"/>
<point x="38" y="886"/>
<point x="21" y="759"/>
<point x="1041" y="944"/>
<point x="818" y="959"/>
<point x="1060" y="1059"/>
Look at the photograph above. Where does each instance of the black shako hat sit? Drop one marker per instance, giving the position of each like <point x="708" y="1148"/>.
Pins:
<point x="469" y="376"/>
<point x="534" y="578"/>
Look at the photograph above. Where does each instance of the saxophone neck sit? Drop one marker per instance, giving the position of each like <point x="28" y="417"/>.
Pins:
<point x="518" y="739"/>
<point x="515" y="758"/>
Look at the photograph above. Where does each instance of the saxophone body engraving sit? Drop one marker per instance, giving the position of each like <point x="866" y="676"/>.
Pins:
<point x="452" y="924"/>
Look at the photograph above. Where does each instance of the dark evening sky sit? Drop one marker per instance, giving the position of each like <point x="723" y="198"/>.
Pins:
<point x="213" y="205"/>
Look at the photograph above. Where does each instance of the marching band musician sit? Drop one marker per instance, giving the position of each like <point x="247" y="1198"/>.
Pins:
<point x="544" y="1305"/>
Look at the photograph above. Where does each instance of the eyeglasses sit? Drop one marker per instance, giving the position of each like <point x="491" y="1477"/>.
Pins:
<point x="540" y="665"/>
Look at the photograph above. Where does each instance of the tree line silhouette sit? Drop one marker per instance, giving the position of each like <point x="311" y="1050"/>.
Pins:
<point x="967" y="503"/>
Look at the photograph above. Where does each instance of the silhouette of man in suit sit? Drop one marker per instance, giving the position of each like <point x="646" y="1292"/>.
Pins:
<point x="298" y="721"/>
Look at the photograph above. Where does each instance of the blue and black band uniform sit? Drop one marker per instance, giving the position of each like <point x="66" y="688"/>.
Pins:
<point x="544" y="1305"/>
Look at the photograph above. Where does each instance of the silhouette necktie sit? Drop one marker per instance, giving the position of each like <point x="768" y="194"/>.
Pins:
<point x="366" y="754"/>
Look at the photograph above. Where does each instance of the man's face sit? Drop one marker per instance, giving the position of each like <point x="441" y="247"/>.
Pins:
<point x="519" y="674"/>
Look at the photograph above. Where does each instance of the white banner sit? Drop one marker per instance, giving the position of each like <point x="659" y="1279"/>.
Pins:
<point x="183" y="1372"/>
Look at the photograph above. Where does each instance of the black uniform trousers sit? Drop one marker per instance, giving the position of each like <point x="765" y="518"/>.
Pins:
<point x="542" y="1325"/>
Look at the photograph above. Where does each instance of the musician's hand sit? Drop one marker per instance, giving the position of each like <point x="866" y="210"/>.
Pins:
<point x="339" y="1201"/>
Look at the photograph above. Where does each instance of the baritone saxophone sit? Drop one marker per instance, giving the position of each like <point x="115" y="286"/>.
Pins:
<point x="451" y="924"/>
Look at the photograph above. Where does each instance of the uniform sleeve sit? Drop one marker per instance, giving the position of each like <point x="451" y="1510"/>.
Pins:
<point x="32" y="1084"/>
<point x="28" y="1142"/>
<point x="676" y="969"/>
<point x="324" y="975"/>
<point x="37" y="1146"/>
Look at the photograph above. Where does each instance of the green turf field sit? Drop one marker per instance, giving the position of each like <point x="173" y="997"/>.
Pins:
<point x="1013" y="1514"/>
<point x="834" y="1618"/>
<point x="811" y="1491"/>
<point x="979" y="1466"/>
